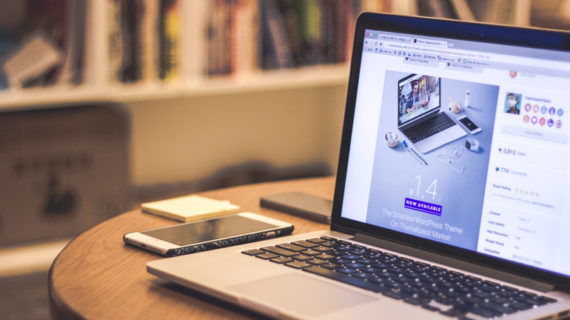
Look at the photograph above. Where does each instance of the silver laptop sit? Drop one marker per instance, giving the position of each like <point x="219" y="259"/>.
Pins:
<point x="478" y="228"/>
<point x="420" y="117"/>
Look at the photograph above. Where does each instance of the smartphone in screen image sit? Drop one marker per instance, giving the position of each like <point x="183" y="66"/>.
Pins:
<point x="469" y="125"/>
<point x="208" y="234"/>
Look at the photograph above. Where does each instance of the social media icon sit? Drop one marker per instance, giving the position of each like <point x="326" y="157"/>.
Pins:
<point x="550" y="123"/>
<point x="552" y="111"/>
<point x="533" y="120"/>
<point x="526" y="118"/>
<point x="542" y="121"/>
<point x="558" y="124"/>
<point x="560" y="112"/>
<point x="543" y="109"/>
<point x="535" y="108"/>
<point x="527" y="107"/>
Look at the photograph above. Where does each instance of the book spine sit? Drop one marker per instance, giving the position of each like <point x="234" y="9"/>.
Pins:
<point x="130" y="19"/>
<point x="276" y="51"/>
<point x="149" y="37"/>
<point x="115" y="42"/>
<point x="243" y="37"/>
<point x="169" y="35"/>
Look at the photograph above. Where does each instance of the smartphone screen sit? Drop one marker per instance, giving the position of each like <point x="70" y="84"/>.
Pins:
<point x="201" y="231"/>
<point x="468" y="124"/>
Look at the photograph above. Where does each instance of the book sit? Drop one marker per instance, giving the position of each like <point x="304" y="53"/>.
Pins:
<point x="36" y="56"/>
<point x="149" y="41"/>
<point x="169" y="26"/>
<point x="190" y="208"/>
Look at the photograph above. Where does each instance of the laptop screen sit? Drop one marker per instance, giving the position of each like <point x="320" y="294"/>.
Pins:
<point x="500" y="189"/>
<point x="417" y="96"/>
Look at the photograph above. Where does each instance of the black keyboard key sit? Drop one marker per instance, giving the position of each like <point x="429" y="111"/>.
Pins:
<point x="483" y="312"/>
<point x="355" y="265"/>
<point x="316" y="261"/>
<point x="369" y="269"/>
<point x="305" y="244"/>
<point x="298" y="264"/>
<point x="330" y="265"/>
<point x="349" y="256"/>
<point x="341" y="261"/>
<point x="431" y="308"/>
<point x="316" y="240"/>
<point x="362" y="275"/>
<point x="292" y="247"/>
<point x="325" y="256"/>
<point x="454" y="313"/>
<point x="444" y="300"/>
<point x="525" y="294"/>
<point x="358" y="252"/>
<point x="281" y="260"/>
<point x="520" y="306"/>
<point x="346" y="270"/>
<point x="311" y="252"/>
<point x="533" y="302"/>
<point x="331" y="274"/>
<point x="267" y="256"/>
<point x="344" y="246"/>
<point x="328" y="243"/>
<point x="417" y="301"/>
<point x="302" y="257"/>
<point x="547" y="299"/>
<point x="253" y="252"/>
<point x="279" y="251"/>
<point x="322" y="249"/>
<point x="500" y="308"/>
<point x="396" y="293"/>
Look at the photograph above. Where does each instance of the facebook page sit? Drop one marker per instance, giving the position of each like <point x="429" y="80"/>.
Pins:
<point x="463" y="146"/>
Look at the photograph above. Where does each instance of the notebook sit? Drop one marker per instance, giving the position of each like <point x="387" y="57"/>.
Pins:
<point x="476" y="228"/>
<point x="190" y="208"/>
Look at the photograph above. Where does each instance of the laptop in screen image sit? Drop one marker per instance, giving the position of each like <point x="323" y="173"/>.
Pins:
<point x="476" y="227"/>
<point x="419" y="116"/>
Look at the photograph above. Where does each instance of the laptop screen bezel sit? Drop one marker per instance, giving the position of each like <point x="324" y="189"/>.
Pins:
<point x="506" y="35"/>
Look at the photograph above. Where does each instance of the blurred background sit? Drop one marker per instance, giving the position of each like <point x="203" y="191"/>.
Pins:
<point x="105" y="104"/>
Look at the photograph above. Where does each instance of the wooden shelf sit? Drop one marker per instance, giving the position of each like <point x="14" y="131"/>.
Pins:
<point x="275" y="80"/>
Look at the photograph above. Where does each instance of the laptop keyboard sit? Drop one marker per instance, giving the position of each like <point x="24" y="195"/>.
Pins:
<point x="429" y="127"/>
<point x="431" y="287"/>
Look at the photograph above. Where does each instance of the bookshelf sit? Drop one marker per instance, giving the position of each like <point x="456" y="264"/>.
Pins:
<point x="182" y="129"/>
<point x="308" y="77"/>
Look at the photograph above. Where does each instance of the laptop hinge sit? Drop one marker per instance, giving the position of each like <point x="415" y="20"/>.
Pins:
<point x="455" y="263"/>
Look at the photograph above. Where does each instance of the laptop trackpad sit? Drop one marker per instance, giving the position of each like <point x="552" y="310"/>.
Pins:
<point x="302" y="293"/>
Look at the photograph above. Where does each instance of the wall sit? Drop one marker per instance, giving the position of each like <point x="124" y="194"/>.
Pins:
<point x="186" y="139"/>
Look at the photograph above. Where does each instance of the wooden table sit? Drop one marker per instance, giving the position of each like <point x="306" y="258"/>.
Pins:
<point x="97" y="276"/>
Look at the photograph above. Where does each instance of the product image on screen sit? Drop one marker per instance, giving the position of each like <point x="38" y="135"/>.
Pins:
<point x="436" y="195"/>
<point x="201" y="231"/>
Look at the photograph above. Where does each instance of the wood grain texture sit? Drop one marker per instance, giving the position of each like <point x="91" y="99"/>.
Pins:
<point x="98" y="276"/>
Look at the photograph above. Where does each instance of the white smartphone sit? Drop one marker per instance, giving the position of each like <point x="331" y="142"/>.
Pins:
<point x="469" y="125"/>
<point x="208" y="234"/>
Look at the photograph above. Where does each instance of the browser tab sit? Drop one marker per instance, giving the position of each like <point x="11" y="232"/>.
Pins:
<point x="394" y="38"/>
<point x="430" y="43"/>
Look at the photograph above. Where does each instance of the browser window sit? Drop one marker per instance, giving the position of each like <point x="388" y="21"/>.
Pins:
<point x="501" y="188"/>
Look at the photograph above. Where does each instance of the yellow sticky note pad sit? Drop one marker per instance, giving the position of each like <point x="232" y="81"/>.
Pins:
<point x="190" y="208"/>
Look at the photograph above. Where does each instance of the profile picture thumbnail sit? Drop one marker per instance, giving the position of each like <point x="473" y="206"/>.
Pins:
<point x="513" y="103"/>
